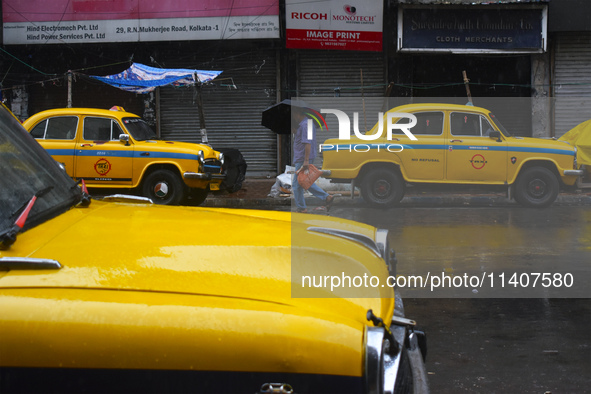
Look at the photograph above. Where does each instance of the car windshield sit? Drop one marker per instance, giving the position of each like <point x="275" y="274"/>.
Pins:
<point x="139" y="130"/>
<point x="27" y="170"/>
<point x="499" y="125"/>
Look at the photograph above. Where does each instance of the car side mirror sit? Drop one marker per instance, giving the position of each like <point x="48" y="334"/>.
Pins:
<point x="495" y="135"/>
<point x="61" y="165"/>
<point x="124" y="138"/>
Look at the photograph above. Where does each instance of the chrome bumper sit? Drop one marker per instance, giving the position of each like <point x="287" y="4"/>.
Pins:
<point x="204" y="176"/>
<point x="384" y="357"/>
<point x="574" y="172"/>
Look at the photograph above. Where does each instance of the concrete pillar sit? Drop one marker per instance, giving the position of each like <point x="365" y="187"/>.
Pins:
<point x="541" y="105"/>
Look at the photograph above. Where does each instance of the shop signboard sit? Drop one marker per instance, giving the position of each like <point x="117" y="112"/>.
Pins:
<point x="334" y="24"/>
<point x="472" y="30"/>
<point x="85" y="21"/>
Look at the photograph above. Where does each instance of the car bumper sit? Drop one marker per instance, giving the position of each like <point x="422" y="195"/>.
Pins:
<point x="574" y="172"/>
<point x="203" y="176"/>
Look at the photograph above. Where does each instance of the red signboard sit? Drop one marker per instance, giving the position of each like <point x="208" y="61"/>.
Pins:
<point x="334" y="39"/>
<point x="334" y="24"/>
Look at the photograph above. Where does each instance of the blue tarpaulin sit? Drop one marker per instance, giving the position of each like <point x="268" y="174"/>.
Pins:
<point x="140" y="78"/>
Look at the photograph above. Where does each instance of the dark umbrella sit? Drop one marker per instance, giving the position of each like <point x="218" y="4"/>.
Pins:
<point x="278" y="117"/>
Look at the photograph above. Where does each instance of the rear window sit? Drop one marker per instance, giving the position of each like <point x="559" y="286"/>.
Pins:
<point x="428" y="123"/>
<point x="56" y="128"/>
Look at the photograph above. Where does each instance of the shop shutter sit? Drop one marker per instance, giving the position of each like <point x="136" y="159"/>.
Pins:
<point x="572" y="81"/>
<point x="345" y="80"/>
<point x="232" y="106"/>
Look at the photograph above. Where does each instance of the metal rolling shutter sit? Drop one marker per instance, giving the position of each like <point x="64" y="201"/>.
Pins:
<point x="572" y="81"/>
<point x="232" y="115"/>
<point x="320" y="73"/>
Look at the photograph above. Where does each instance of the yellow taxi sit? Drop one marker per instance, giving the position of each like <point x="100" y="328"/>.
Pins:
<point x="117" y="149"/>
<point x="94" y="296"/>
<point x="449" y="144"/>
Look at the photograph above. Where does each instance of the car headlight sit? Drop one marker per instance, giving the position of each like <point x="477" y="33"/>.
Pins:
<point x="201" y="157"/>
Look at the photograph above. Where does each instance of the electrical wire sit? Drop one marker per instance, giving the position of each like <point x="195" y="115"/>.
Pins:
<point x="19" y="60"/>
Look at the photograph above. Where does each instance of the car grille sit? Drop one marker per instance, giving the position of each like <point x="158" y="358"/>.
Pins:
<point x="212" y="166"/>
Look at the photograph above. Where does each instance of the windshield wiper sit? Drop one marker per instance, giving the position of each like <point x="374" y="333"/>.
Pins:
<point x="8" y="237"/>
<point x="85" y="197"/>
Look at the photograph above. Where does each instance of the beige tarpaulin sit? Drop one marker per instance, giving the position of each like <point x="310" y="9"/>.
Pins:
<point x="580" y="136"/>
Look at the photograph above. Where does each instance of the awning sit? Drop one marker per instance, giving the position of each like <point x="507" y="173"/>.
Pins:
<point x="140" y="78"/>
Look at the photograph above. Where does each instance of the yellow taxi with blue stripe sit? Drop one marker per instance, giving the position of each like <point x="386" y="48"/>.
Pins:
<point x="117" y="149"/>
<point x="453" y="144"/>
<point x="120" y="297"/>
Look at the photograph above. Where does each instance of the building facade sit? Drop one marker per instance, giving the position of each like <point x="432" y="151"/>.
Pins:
<point x="528" y="61"/>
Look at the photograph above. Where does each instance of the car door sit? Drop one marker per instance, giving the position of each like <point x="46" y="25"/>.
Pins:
<point x="424" y="159"/>
<point x="57" y="135"/>
<point x="101" y="158"/>
<point x="472" y="156"/>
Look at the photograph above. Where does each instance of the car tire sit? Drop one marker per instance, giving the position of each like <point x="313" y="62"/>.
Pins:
<point x="382" y="187"/>
<point x="536" y="187"/>
<point x="196" y="196"/>
<point x="164" y="187"/>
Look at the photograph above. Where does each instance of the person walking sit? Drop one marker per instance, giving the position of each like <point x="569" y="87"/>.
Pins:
<point x="304" y="149"/>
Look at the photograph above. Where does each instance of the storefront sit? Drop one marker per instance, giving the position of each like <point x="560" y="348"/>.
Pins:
<point x="232" y="106"/>
<point x="535" y="53"/>
<point x="336" y="53"/>
<point x="423" y="53"/>
<point x="450" y="51"/>
<point x="93" y="38"/>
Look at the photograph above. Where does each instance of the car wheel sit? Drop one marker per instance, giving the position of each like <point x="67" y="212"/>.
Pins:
<point x="164" y="187"/>
<point x="382" y="187"/>
<point x="197" y="196"/>
<point x="536" y="187"/>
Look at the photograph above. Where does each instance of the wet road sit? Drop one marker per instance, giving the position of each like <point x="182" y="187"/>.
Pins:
<point x="536" y="341"/>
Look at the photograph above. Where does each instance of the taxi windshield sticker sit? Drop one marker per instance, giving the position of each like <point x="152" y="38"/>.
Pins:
<point x="102" y="167"/>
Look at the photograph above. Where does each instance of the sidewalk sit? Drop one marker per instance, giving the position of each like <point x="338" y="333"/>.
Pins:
<point x="254" y="194"/>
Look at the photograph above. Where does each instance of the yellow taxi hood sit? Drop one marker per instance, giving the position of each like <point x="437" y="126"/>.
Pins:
<point x="179" y="147"/>
<point x="580" y="137"/>
<point x="541" y="143"/>
<point x="233" y="254"/>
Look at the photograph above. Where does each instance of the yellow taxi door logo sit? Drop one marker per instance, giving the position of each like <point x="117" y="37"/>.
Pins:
<point x="102" y="167"/>
<point x="478" y="161"/>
